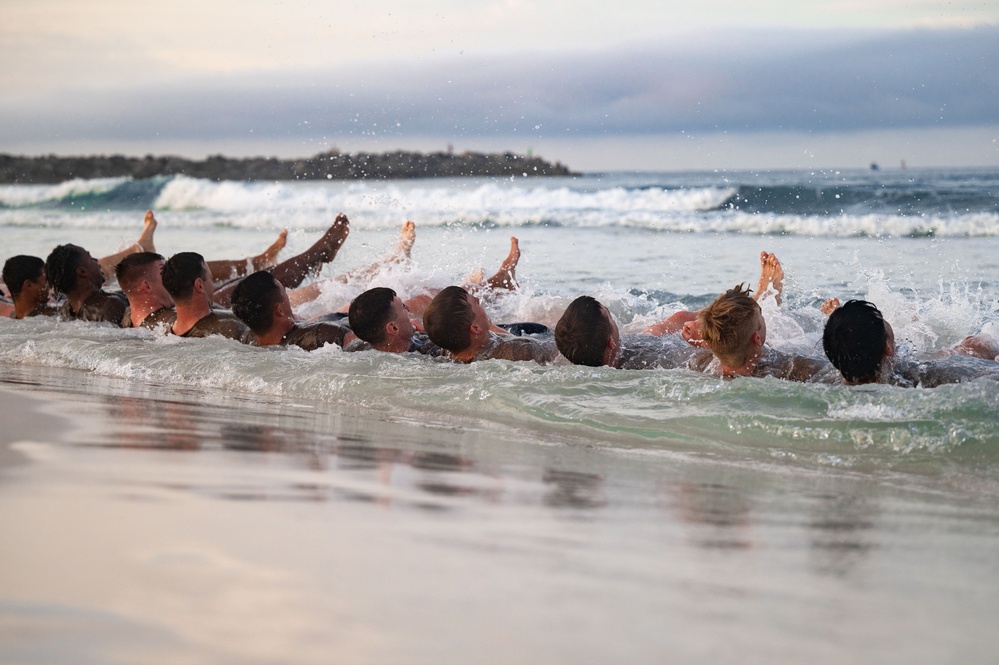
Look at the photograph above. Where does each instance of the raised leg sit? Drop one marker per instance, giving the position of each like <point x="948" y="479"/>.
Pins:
<point x="293" y="272"/>
<point x="143" y="244"/>
<point x="225" y="269"/>
<point x="771" y="275"/>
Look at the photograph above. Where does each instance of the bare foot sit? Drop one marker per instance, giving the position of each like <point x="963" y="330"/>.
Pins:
<point x="401" y="254"/>
<point x="406" y="239"/>
<point x="334" y="238"/>
<point x="830" y="306"/>
<point x="771" y="274"/>
<point x="145" y="241"/>
<point x="506" y="276"/>
<point x="269" y="256"/>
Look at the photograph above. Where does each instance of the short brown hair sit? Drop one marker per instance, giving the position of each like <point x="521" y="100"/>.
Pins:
<point x="253" y="301"/>
<point x="132" y="269"/>
<point x="728" y="324"/>
<point x="181" y="271"/>
<point x="448" y="318"/>
<point x="370" y="312"/>
<point x="582" y="333"/>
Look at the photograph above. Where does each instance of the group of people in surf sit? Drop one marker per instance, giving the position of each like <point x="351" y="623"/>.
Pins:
<point x="253" y="301"/>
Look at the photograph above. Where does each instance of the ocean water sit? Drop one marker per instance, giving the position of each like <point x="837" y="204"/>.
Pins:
<point x="659" y="509"/>
<point x="920" y="244"/>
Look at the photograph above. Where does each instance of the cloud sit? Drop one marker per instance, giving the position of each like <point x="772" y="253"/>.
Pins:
<point x="801" y="81"/>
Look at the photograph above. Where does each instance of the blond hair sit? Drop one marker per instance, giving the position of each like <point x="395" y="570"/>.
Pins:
<point x="728" y="324"/>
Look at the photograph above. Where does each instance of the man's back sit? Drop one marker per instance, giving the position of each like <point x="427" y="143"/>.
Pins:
<point x="934" y="372"/>
<point x="662" y="352"/>
<point x="100" y="306"/>
<point x="221" y="323"/>
<point x="509" y="347"/>
<point x="311" y="336"/>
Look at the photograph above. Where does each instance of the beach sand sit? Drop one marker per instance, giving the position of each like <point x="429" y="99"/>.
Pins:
<point x="150" y="524"/>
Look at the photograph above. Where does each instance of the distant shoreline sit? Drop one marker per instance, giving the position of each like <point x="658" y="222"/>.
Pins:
<point x="333" y="165"/>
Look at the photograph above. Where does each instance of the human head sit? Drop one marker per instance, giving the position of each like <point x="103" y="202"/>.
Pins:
<point x="857" y="340"/>
<point x="181" y="274"/>
<point x="454" y="319"/>
<point x="20" y="269"/>
<point x="379" y="315"/>
<point x="254" y="300"/>
<point x="66" y="265"/>
<point x="586" y="334"/>
<point x="141" y="271"/>
<point x="733" y="326"/>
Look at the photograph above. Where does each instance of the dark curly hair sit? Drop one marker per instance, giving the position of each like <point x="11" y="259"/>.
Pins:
<point x="61" y="265"/>
<point x="854" y="341"/>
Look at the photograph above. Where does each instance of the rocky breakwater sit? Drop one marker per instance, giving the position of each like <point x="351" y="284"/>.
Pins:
<point x="331" y="165"/>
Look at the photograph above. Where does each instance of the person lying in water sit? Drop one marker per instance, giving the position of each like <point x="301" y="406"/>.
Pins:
<point x="771" y="282"/>
<point x="587" y="333"/>
<point x="261" y="302"/>
<point x="25" y="277"/>
<point x="861" y="345"/>
<point x="72" y="271"/>
<point x="267" y="307"/>
<point x="384" y="322"/>
<point x="734" y="329"/>
<point x="189" y="282"/>
<point x="150" y="304"/>
<point x="140" y="277"/>
<point x="455" y="321"/>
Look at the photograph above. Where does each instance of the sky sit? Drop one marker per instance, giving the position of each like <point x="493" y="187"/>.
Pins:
<point x="630" y="85"/>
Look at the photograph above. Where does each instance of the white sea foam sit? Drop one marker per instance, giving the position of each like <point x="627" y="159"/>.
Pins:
<point x="25" y="195"/>
<point x="643" y="250"/>
<point x="376" y="205"/>
<point x="580" y="203"/>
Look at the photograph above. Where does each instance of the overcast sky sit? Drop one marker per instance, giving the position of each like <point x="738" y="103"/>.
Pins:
<point x="627" y="85"/>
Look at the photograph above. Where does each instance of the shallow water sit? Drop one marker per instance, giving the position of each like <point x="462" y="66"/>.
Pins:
<point x="191" y="523"/>
<point x="215" y="502"/>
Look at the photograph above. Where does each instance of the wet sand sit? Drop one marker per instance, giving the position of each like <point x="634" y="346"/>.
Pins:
<point x="26" y="419"/>
<point x="174" y="524"/>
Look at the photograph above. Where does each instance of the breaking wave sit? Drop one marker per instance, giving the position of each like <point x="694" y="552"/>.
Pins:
<point x="793" y="204"/>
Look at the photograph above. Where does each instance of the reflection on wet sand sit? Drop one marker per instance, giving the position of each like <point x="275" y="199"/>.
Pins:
<point x="263" y="530"/>
<point x="385" y="475"/>
<point x="720" y="513"/>
<point x="841" y="527"/>
<point x="842" y="532"/>
<point x="572" y="489"/>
